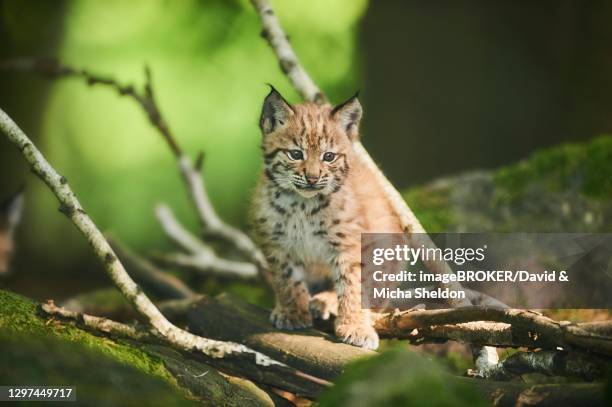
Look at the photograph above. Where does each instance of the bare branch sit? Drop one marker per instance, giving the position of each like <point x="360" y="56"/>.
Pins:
<point x="230" y="318"/>
<point x="94" y="323"/>
<point x="210" y="221"/>
<point x="51" y="68"/>
<point x="525" y="328"/>
<point x="201" y="257"/>
<point x="288" y="60"/>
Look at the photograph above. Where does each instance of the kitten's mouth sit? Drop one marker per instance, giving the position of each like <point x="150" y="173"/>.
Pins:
<point x="308" y="187"/>
<point x="308" y="191"/>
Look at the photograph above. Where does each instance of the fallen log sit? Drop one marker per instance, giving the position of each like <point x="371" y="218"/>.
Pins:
<point x="312" y="351"/>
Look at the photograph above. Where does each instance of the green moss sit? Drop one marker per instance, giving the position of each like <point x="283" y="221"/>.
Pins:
<point x="431" y="206"/>
<point x="587" y="166"/>
<point x="99" y="379"/>
<point x="20" y="316"/>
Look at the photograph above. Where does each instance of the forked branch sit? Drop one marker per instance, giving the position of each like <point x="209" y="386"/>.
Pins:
<point x="199" y="257"/>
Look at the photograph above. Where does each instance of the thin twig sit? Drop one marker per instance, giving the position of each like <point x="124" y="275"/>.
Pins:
<point x="211" y="222"/>
<point x="200" y="257"/>
<point x="94" y="323"/>
<point x="51" y="68"/>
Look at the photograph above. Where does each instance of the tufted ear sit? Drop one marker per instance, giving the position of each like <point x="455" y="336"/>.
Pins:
<point x="10" y="211"/>
<point x="348" y="115"/>
<point x="275" y="112"/>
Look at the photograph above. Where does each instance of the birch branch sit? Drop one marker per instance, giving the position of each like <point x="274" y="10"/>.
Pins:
<point x="159" y="325"/>
<point x="101" y="324"/>
<point x="288" y="60"/>
<point x="210" y="221"/>
<point x="201" y="257"/>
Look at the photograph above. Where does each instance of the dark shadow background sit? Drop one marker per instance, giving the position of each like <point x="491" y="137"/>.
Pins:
<point x="458" y="85"/>
<point x="447" y="86"/>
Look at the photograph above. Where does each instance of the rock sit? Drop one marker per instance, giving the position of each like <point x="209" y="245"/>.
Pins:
<point x="563" y="189"/>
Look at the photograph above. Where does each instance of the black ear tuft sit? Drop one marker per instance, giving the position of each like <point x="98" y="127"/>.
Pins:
<point x="348" y="114"/>
<point x="11" y="209"/>
<point x="275" y="112"/>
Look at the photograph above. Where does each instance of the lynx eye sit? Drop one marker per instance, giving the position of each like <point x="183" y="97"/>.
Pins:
<point x="329" y="157"/>
<point x="295" y="155"/>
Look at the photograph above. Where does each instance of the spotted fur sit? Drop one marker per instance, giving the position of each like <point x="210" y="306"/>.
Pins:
<point x="310" y="209"/>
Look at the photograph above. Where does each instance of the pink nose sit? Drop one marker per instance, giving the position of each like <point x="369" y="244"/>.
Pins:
<point x="312" y="179"/>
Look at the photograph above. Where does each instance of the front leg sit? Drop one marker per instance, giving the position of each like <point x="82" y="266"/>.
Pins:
<point x="353" y="324"/>
<point x="292" y="296"/>
<point x="324" y="304"/>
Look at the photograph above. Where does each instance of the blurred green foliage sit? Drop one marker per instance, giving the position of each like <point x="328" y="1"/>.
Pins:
<point x="399" y="377"/>
<point x="209" y="66"/>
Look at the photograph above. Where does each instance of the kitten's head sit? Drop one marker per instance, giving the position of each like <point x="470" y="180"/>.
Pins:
<point x="10" y="215"/>
<point x="307" y="147"/>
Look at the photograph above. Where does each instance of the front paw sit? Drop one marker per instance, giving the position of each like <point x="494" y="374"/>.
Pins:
<point x="324" y="304"/>
<point x="361" y="335"/>
<point x="290" y="319"/>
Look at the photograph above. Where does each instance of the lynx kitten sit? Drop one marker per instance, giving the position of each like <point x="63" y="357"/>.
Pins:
<point x="313" y="201"/>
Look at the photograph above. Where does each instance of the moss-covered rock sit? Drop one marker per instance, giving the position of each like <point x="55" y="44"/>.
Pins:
<point x="19" y="315"/>
<point x="99" y="379"/>
<point x="39" y="350"/>
<point x="563" y="189"/>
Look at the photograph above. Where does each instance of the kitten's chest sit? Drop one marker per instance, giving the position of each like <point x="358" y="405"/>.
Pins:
<point x="302" y="229"/>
